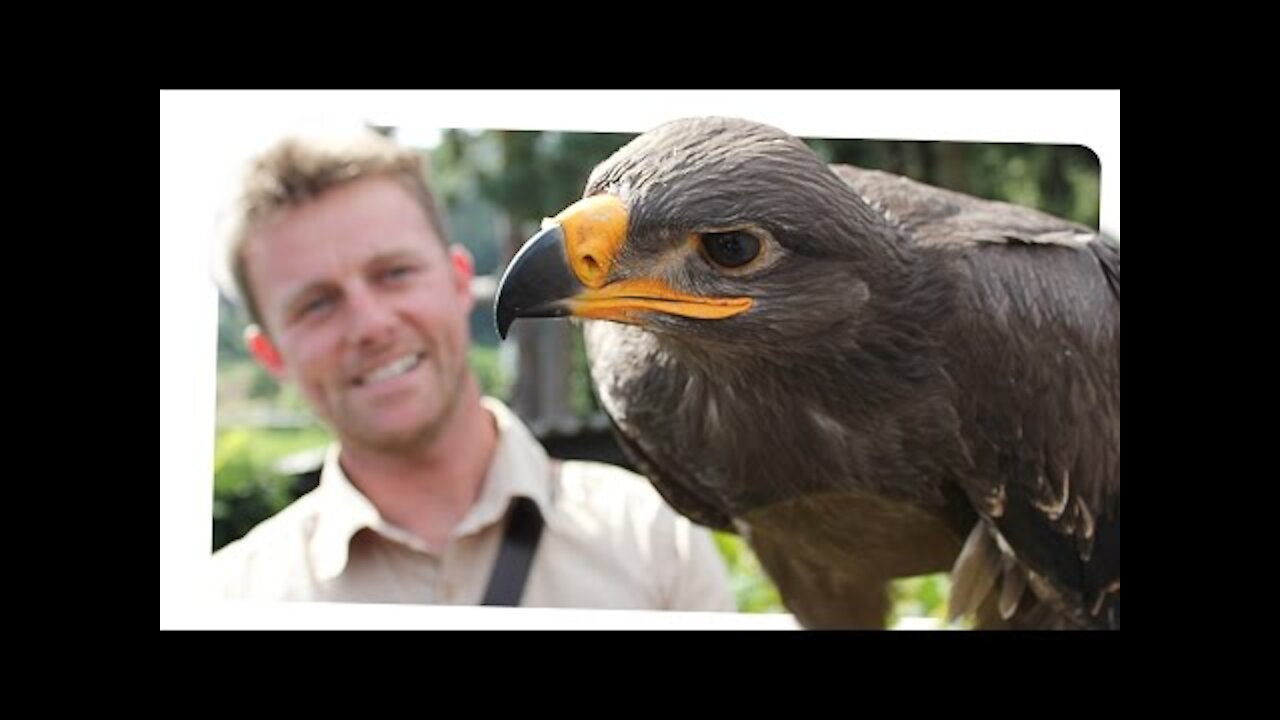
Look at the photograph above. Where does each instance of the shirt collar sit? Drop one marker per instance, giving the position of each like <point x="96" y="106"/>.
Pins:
<point x="519" y="467"/>
<point x="344" y="511"/>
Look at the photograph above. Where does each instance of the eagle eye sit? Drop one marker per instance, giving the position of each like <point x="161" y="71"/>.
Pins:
<point x="731" y="249"/>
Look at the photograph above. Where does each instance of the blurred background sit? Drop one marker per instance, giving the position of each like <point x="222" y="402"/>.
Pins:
<point x="497" y="186"/>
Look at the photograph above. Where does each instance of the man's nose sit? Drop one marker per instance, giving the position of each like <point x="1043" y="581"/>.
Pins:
<point x="371" y="318"/>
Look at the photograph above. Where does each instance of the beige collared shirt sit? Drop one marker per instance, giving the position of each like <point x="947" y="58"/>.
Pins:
<point x="609" y="541"/>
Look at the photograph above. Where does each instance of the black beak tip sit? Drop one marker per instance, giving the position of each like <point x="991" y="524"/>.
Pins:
<point x="536" y="283"/>
<point x="502" y="319"/>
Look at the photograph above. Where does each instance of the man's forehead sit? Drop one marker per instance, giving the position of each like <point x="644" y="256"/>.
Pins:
<point x="304" y="261"/>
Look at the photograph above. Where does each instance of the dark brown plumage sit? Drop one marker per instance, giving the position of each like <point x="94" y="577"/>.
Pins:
<point x="867" y="377"/>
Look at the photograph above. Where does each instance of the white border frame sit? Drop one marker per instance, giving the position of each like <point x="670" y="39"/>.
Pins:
<point x="202" y="133"/>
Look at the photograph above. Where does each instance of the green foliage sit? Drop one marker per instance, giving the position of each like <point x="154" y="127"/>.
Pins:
<point x="924" y="596"/>
<point x="487" y="365"/>
<point x="753" y="590"/>
<point x="231" y="323"/>
<point x="247" y="488"/>
<point x="263" y="386"/>
<point x="1062" y="180"/>
<point x="527" y="175"/>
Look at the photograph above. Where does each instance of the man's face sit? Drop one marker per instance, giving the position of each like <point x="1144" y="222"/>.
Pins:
<point x="368" y="310"/>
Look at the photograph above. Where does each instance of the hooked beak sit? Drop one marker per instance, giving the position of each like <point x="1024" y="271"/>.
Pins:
<point x="565" y="269"/>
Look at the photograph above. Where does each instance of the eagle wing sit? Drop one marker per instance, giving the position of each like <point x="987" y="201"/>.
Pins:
<point x="1035" y="357"/>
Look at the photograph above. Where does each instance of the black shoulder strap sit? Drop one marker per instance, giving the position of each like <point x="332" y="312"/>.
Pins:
<point x="524" y="529"/>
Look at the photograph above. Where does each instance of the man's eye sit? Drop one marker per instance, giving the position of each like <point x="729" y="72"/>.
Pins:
<point x="397" y="272"/>
<point x="314" y="306"/>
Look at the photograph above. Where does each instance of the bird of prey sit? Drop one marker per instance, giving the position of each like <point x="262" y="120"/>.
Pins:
<point x="865" y="376"/>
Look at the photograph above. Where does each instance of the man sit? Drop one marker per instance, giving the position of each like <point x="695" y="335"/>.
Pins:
<point x="340" y="257"/>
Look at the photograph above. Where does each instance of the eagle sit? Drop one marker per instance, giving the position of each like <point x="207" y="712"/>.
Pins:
<point x="864" y="376"/>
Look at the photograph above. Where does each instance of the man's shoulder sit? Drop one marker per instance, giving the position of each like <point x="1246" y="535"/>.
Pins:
<point x="678" y="554"/>
<point x="617" y="495"/>
<point x="596" y="481"/>
<point x="281" y="534"/>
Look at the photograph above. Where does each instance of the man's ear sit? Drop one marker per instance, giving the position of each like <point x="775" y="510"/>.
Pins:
<point x="464" y="269"/>
<point x="262" y="349"/>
